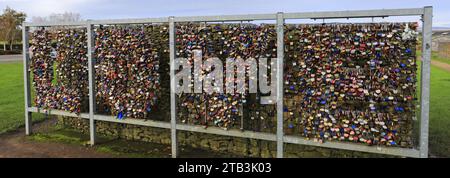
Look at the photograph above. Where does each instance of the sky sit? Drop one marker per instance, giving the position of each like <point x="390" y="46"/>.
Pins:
<point x="119" y="9"/>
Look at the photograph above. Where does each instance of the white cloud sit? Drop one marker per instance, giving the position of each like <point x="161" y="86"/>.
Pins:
<point x="46" y="7"/>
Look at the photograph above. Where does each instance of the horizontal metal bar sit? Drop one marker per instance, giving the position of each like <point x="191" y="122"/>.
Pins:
<point x="397" y="151"/>
<point x="301" y="15"/>
<point x="57" y="112"/>
<point x="100" y="22"/>
<point x="49" y="24"/>
<point x="406" y="152"/>
<point x="355" y="14"/>
<point x="141" y="122"/>
<point x="159" y="124"/>
<point x="230" y="132"/>
<point x="220" y="18"/>
<point x="130" y="21"/>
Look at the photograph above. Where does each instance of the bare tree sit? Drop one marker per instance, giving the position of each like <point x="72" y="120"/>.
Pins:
<point x="58" y="17"/>
<point x="10" y="26"/>
<point x="38" y="19"/>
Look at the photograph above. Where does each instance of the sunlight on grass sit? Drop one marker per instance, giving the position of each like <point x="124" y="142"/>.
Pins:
<point x="12" y="105"/>
<point x="440" y="112"/>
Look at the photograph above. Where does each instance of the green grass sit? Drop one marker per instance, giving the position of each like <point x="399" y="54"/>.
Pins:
<point x="440" y="112"/>
<point x="109" y="145"/>
<point x="62" y="137"/>
<point x="12" y="97"/>
<point x="439" y="137"/>
<point x="436" y="57"/>
<point x="119" y="147"/>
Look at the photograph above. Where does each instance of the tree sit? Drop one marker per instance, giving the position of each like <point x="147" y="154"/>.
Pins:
<point x="63" y="17"/>
<point x="54" y="17"/>
<point x="11" y="25"/>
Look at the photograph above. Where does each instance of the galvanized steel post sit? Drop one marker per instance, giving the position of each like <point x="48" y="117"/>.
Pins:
<point x="26" y="76"/>
<point x="425" y="80"/>
<point x="173" y="120"/>
<point x="91" y="68"/>
<point x="280" y="58"/>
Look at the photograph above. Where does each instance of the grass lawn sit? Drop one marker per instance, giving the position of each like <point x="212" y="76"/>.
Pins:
<point x="440" y="112"/>
<point x="439" y="137"/>
<point x="435" y="57"/>
<point x="12" y="105"/>
<point x="117" y="147"/>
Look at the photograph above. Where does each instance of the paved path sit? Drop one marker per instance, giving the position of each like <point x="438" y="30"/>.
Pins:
<point x="9" y="58"/>
<point x="438" y="64"/>
<point x="441" y="65"/>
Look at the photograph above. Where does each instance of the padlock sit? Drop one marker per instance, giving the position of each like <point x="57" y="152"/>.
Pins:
<point x="68" y="55"/>
<point x="225" y="41"/>
<point x="129" y="71"/>
<point x="341" y="67"/>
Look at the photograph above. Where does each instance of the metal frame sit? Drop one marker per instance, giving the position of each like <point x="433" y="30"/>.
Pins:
<point x="91" y="74"/>
<point x="422" y="151"/>
<point x="280" y="83"/>
<point x="427" y="18"/>
<point x="173" y="119"/>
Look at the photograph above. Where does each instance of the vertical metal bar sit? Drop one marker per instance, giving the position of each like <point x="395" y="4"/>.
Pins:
<point x="26" y="77"/>
<point x="241" y="112"/>
<point x="91" y="63"/>
<point x="425" y="80"/>
<point x="173" y="121"/>
<point x="280" y="58"/>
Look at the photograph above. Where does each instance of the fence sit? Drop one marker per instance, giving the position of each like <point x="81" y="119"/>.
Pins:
<point x="279" y="137"/>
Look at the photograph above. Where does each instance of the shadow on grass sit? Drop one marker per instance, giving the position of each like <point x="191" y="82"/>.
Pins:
<point x="113" y="146"/>
<point x="120" y="147"/>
